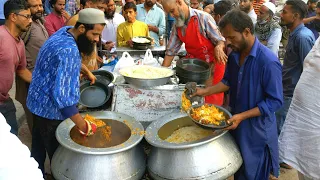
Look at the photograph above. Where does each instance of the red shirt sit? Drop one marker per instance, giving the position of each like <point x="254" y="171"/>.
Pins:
<point x="54" y="22"/>
<point x="12" y="58"/>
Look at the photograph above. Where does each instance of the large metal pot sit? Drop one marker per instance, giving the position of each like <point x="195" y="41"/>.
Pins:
<point x="214" y="157"/>
<point x="192" y="70"/>
<point x="124" y="161"/>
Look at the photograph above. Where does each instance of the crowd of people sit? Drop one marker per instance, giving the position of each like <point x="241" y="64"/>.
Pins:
<point x="46" y="45"/>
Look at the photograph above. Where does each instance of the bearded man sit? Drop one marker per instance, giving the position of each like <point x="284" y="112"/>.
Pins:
<point x="253" y="79"/>
<point x="267" y="30"/>
<point x="247" y="7"/>
<point x="54" y="90"/>
<point x="202" y="38"/>
<point x="113" y="19"/>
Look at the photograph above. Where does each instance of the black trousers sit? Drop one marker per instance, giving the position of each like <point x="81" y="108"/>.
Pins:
<point x="44" y="139"/>
<point x="8" y="110"/>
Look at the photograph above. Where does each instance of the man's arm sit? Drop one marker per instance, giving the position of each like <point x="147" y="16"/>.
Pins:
<point x="121" y="42"/>
<point x="173" y="47"/>
<point x="272" y="86"/>
<point x="162" y="24"/>
<point x="88" y="73"/>
<point x="216" y="38"/>
<point x="308" y="20"/>
<point x="218" y="88"/>
<point x="25" y="74"/>
<point x="304" y="46"/>
<point x="274" y="41"/>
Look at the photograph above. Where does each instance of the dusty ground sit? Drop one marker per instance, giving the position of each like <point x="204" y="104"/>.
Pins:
<point x="25" y="137"/>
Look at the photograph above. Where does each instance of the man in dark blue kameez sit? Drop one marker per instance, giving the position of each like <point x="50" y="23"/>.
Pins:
<point x="254" y="80"/>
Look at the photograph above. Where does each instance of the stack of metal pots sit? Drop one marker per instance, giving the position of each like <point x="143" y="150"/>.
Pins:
<point x="192" y="70"/>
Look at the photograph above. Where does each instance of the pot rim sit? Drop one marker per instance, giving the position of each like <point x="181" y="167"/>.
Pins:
<point x="153" y="138"/>
<point x="64" y="139"/>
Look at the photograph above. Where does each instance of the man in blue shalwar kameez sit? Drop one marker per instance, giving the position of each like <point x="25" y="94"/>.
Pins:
<point x="254" y="80"/>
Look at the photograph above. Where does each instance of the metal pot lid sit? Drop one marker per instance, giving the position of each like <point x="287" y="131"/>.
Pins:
<point x="153" y="138"/>
<point x="63" y="134"/>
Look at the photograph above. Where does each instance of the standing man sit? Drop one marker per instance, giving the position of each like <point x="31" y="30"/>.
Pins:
<point x="301" y="41"/>
<point x="247" y="7"/>
<point x="154" y="17"/>
<point x="131" y="27"/>
<point x="253" y="78"/>
<point x="57" y="18"/>
<point x="113" y="19"/>
<point x="54" y="90"/>
<point x="12" y="55"/>
<point x="267" y="30"/>
<point x="33" y="40"/>
<point x="309" y="21"/>
<point x="202" y="39"/>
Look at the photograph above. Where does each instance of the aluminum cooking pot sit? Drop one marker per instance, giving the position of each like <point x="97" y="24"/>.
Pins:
<point x="214" y="157"/>
<point x="94" y="95"/>
<point x="77" y="162"/>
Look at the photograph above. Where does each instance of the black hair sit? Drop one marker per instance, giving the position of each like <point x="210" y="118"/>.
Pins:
<point x="130" y="5"/>
<point x="312" y="1"/>
<point x="318" y="5"/>
<point x="88" y="27"/>
<point x="238" y="19"/>
<point x="298" y="6"/>
<point x="207" y="2"/>
<point x="53" y="2"/>
<point x="83" y="2"/>
<point x="14" y="6"/>
<point x="222" y="7"/>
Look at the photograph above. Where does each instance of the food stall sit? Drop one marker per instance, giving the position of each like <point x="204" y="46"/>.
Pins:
<point x="147" y="109"/>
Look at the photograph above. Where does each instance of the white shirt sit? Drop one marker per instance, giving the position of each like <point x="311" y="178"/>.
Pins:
<point x="109" y="32"/>
<point x="15" y="160"/>
<point x="253" y="16"/>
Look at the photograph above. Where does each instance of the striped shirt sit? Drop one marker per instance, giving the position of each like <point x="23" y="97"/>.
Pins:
<point x="54" y="89"/>
<point x="208" y="28"/>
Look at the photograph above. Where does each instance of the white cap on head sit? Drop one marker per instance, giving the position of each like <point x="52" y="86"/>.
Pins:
<point x="91" y="16"/>
<point x="270" y="6"/>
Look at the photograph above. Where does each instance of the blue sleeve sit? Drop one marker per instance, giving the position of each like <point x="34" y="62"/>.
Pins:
<point x="272" y="86"/>
<point x="47" y="7"/>
<point x="66" y="85"/>
<point x="304" y="45"/>
<point x="274" y="41"/>
<point x="162" y="23"/>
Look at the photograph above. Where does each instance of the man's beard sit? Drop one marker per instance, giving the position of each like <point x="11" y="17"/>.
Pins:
<point x="245" y="9"/>
<point x="243" y="46"/>
<point x="288" y="25"/>
<point x="37" y="15"/>
<point x="85" y="46"/>
<point x="149" y="4"/>
<point x="180" y="21"/>
<point x="109" y="15"/>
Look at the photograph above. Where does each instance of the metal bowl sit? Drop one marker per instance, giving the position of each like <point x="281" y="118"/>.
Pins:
<point x="149" y="38"/>
<point x="105" y="76"/>
<point x="222" y="125"/>
<point x="146" y="83"/>
<point x="95" y="95"/>
<point x="193" y="70"/>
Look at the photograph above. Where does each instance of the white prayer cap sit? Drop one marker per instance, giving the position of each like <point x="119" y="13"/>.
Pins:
<point x="270" y="6"/>
<point x="91" y="16"/>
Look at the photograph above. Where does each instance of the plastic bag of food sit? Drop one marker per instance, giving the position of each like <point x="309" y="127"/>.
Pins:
<point x="150" y="60"/>
<point x="125" y="61"/>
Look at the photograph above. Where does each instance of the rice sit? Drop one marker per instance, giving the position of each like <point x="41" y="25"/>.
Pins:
<point x="188" y="134"/>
